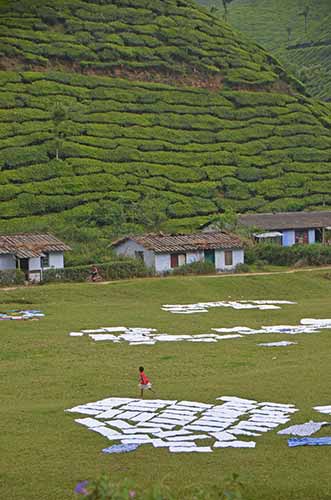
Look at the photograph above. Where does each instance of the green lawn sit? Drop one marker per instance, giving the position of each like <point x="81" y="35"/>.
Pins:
<point x="43" y="371"/>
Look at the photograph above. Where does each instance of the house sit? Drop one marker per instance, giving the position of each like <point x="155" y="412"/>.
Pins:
<point x="32" y="253"/>
<point x="291" y="227"/>
<point x="164" y="252"/>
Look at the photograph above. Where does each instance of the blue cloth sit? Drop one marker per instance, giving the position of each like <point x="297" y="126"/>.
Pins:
<point x="309" y="441"/>
<point x="121" y="448"/>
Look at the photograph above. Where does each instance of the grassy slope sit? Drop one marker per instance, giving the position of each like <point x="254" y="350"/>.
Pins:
<point x="44" y="371"/>
<point x="267" y="21"/>
<point x="195" y="151"/>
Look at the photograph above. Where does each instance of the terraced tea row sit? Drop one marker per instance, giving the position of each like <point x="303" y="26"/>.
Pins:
<point x="122" y="143"/>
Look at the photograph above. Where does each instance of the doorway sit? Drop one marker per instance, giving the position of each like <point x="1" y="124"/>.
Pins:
<point x="210" y="256"/>
<point x="24" y="266"/>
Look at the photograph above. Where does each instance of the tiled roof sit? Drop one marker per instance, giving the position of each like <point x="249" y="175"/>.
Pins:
<point x="28" y="245"/>
<point x="164" y="243"/>
<point x="287" y="220"/>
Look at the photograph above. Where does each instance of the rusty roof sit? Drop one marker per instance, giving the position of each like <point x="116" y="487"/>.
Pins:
<point x="27" y="245"/>
<point x="165" y="243"/>
<point x="287" y="220"/>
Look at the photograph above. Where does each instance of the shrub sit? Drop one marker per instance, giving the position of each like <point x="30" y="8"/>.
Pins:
<point x="12" y="277"/>
<point x="199" y="267"/>
<point x="242" y="268"/>
<point x="311" y="255"/>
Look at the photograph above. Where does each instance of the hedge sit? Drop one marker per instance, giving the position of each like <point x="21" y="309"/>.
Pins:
<point x="311" y="255"/>
<point x="12" y="277"/>
<point x="115" y="270"/>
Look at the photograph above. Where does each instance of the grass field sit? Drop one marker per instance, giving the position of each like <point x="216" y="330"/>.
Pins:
<point x="44" y="453"/>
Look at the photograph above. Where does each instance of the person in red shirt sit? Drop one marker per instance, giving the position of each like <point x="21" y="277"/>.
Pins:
<point x="144" y="382"/>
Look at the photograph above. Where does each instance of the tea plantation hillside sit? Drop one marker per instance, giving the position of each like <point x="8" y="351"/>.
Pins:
<point x="135" y="38"/>
<point x="101" y="147"/>
<point x="279" y="26"/>
<point x="195" y="151"/>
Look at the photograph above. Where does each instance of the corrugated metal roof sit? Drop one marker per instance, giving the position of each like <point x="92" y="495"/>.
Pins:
<point x="27" y="245"/>
<point x="287" y="220"/>
<point x="165" y="243"/>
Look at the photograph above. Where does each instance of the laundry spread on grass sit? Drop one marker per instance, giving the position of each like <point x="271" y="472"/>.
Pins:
<point x="306" y="429"/>
<point x="21" y="315"/>
<point x="307" y="325"/>
<point x="201" y="307"/>
<point x="149" y="336"/>
<point x="182" y="426"/>
<point x="146" y="336"/>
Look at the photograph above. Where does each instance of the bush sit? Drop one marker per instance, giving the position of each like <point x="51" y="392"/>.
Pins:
<point x="310" y="255"/>
<point x="12" y="277"/>
<point x="242" y="268"/>
<point x="199" y="267"/>
<point x="115" y="270"/>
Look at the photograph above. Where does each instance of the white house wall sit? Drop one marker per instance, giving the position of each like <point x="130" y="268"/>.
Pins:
<point x="34" y="264"/>
<point x="7" y="262"/>
<point x="237" y="258"/>
<point x="162" y="262"/>
<point x="194" y="256"/>
<point x="128" y="249"/>
<point x="56" y="260"/>
<point x="288" y="237"/>
<point x="311" y="236"/>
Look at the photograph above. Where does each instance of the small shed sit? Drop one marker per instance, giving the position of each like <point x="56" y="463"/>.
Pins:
<point x="32" y="253"/>
<point x="164" y="252"/>
<point x="295" y="227"/>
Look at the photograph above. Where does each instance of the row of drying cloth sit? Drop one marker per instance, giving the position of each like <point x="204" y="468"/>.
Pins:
<point x="201" y="307"/>
<point x="148" y="336"/>
<point x="181" y="425"/>
<point x="21" y="315"/>
<point x="177" y="425"/>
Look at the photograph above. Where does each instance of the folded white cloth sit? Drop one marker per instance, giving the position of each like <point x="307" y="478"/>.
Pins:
<point x="235" y="444"/>
<point x="189" y="449"/>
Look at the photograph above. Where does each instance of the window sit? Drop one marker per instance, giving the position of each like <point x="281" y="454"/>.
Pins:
<point x="139" y="255"/>
<point x="45" y="260"/>
<point x="174" y="260"/>
<point x="181" y="259"/>
<point x="301" y="236"/>
<point x="228" y="260"/>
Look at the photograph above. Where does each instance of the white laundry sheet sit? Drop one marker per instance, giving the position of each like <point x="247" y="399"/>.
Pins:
<point x="282" y="343"/>
<point x="240" y="304"/>
<point x="323" y="409"/>
<point x="180" y="425"/>
<point x="235" y="444"/>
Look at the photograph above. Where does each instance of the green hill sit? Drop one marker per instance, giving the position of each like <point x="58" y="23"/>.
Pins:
<point x="134" y="151"/>
<point x="279" y="26"/>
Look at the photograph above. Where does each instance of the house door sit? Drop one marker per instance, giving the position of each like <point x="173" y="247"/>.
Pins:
<point x="24" y="266"/>
<point x="210" y="256"/>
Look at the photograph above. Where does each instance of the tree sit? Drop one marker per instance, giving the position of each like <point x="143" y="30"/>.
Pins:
<point x="228" y="220"/>
<point x="58" y="117"/>
<point x="305" y="14"/>
<point x="222" y="3"/>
